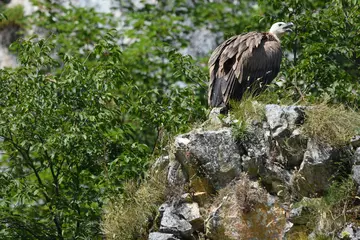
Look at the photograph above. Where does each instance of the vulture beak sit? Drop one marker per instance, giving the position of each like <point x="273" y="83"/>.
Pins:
<point x="288" y="27"/>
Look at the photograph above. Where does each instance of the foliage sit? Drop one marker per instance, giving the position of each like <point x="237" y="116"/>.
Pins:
<point x="129" y="216"/>
<point x="77" y="123"/>
<point x="77" y="29"/>
<point x="59" y="133"/>
<point x="331" y="124"/>
<point x="324" y="57"/>
<point x="71" y="137"/>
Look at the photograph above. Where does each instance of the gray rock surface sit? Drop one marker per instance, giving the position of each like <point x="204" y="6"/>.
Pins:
<point x="180" y="219"/>
<point x="191" y="213"/>
<point x="172" y="223"/>
<point x="356" y="157"/>
<point x="211" y="154"/>
<point x="283" y="119"/>
<point x="284" y="123"/>
<point x="176" y="175"/>
<point x="161" y="163"/>
<point x="263" y="159"/>
<point x="355" y="141"/>
<point x="162" y="236"/>
<point x="316" y="169"/>
<point x="350" y="232"/>
<point x="356" y="174"/>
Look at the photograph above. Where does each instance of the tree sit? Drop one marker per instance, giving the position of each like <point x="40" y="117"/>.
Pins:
<point x="59" y="133"/>
<point x="324" y="53"/>
<point x="70" y="124"/>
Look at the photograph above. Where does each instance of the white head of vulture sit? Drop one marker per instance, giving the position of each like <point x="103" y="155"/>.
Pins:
<point x="246" y="62"/>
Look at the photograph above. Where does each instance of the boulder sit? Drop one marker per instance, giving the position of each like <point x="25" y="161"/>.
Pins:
<point x="176" y="175"/>
<point x="283" y="119"/>
<point x="356" y="157"/>
<point x="181" y="219"/>
<point x="316" y="170"/>
<point x="212" y="156"/>
<point x="355" y="141"/>
<point x="302" y="214"/>
<point x="262" y="159"/>
<point x="161" y="163"/>
<point x="356" y="174"/>
<point x="355" y="171"/>
<point x="191" y="213"/>
<point x="246" y="211"/>
<point x="173" y="223"/>
<point x="284" y="123"/>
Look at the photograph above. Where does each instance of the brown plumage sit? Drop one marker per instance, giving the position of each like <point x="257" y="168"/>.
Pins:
<point x="248" y="61"/>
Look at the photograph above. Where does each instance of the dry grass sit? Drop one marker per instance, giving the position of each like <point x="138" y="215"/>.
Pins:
<point x="331" y="124"/>
<point x="131" y="215"/>
<point x="298" y="236"/>
<point x="246" y="214"/>
<point x="329" y="213"/>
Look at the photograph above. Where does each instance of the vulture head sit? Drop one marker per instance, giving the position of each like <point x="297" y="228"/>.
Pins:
<point x="280" y="28"/>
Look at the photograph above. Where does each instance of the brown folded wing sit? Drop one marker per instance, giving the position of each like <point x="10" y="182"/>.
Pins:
<point x="245" y="62"/>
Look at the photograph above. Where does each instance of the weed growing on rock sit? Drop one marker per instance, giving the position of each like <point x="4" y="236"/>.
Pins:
<point x="327" y="215"/>
<point x="246" y="212"/>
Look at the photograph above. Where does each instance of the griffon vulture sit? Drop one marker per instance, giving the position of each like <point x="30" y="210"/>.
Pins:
<point x="249" y="61"/>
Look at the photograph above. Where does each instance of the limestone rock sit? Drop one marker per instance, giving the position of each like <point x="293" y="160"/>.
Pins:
<point x="256" y="145"/>
<point x="284" y="122"/>
<point x="212" y="155"/>
<point x="191" y="213"/>
<point x="247" y="211"/>
<point x="180" y="219"/>
<point x="173" y="223"/>
<point x="262" y="159"/>
<point x="355" y="141"/>
<point x="161" y="163"/>
<point x="283" y="119"/>
<point x="316" y="169"/>
<point x="356" y="157"/>
<point x="162" y="236"/>
<point x="198" y="197"/>
<point x="350" y="232"/>
<point x="356" y="174"/>
<point x="176" y="175"/>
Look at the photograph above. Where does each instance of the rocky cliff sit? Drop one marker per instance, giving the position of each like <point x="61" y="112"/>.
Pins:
<point x="271" y="179"/>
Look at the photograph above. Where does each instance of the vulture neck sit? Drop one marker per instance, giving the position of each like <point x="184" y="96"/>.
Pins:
<point x="273" y="35"/>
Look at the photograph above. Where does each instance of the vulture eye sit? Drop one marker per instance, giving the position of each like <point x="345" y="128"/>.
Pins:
<point x="280" y="24"/>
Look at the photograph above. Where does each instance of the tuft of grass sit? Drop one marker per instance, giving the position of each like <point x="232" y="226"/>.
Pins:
<point x="251" y="108"/>
<point x="331" y="124"/>
<point x="247" y="110"/>
<point x="14" y="16"/>
<point x="131" y="215"/>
